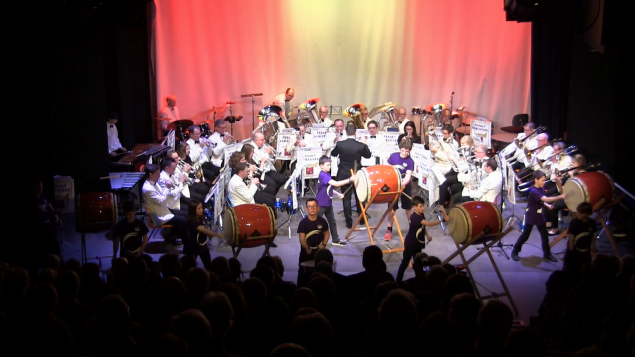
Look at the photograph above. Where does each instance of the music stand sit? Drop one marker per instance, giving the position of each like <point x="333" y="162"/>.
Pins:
<point x="253" y="110"/>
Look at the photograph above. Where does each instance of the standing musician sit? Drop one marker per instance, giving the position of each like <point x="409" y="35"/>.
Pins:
<point x="324" y="116"/>
<point x="375" y="140"/>
<point x="264" y="154"/>
<point x="219" y="140"/>
<point x="284" y="102"/>
<point x="350" y="152"/>
<point x="405" y="165"/>
<point x="114" y="145"/>
<point x="170" y="112"/>
<point x="489" y="187"/>
<point x="401" y="119"/>
<point x="365" y="118"/>
<point x="333" y="137"/>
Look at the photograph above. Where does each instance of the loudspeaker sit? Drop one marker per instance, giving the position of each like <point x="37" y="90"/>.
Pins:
<point x="520" y="119"/>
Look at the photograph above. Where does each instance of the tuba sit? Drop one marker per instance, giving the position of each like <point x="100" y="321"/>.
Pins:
<point x="388" y="120"/>
<point x="310" y="107"/>
<point x="355" y="113"/>
<point x="269" y="115"/>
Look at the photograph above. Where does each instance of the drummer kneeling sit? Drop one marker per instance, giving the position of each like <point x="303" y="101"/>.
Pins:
<point x="490" y="187"/>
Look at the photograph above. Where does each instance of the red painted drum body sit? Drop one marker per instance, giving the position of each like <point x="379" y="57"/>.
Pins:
<point x="469" y="219"/>
<point x="369" y="180"/>
<point x="243" y="224"/>
<point x="96" y="211"/>
<point x="588" y="187"/>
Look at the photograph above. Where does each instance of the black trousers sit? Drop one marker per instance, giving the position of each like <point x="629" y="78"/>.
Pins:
<point x="330" y="218"/>
<point x="264" y="198"/>
<point x="408" y="254"/>
<point x="444" y="192"/>
<point x="277" y="178"/>
<point x="346" y="202"/>
<point x="179" y="224"/>
<point x="544" y="237"/>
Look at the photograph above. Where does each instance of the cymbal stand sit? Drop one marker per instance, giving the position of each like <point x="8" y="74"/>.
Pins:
<point x="294" y="191"/>
<point x="231" y="115"/>
<point x="253" y="111"/>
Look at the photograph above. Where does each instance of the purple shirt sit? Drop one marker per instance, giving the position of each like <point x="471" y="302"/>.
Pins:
<point x="401" y="164"/>
<point x="416" y="236"/>
<point x="324" y="198"/>
<point x="535" y="207"/>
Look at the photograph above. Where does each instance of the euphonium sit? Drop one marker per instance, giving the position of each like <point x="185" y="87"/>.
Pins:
<point x="389" y="110"/>
<point x="355" y="113"/>
<point x="311" y="108"/>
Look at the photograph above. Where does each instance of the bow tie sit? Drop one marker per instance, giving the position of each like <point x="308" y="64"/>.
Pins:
<point x="196" y="142"/>
<point x="302" y="137"/>
<point x="111" y="125"/>
<point x="221" y="135"/>
<point x="373" y="136"/>
<point x="341" y="133"/>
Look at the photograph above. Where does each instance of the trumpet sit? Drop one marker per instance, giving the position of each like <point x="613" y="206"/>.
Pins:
<point x="568" y="151"/>
<point x="228" y="139"/>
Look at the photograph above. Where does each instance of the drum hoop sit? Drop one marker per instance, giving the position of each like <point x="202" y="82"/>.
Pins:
<point x="468" y="220"/>
<point x="575" y="240"/>
<point x="367" y="182"/>
<point x="399" y="179"/>
<point x="499" y="215"/>
<point x="584" y="188"/>
<point x="235" y="228"/>
<point x="272" y="221"/>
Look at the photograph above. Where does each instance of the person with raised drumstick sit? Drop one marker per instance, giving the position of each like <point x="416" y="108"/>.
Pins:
<point x="403" y="162"/>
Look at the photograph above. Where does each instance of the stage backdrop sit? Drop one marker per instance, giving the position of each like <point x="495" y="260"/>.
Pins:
<point x="410" y="52"/>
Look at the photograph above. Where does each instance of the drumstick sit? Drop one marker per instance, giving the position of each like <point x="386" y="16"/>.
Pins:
<point x="352" y="174"/>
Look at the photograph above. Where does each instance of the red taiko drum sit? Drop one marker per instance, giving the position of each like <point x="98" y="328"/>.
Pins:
<point x="244" y="224"/>
<point x="588" y="187"/>
<point x="471" y="218"/>
<point x="96" y="211"/>
<point x="369" y="180"/>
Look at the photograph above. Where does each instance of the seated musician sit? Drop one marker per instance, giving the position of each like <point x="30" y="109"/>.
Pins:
<point x="333" y="136"/>
<point x="365" y="118"/>
<point x="260" y="197"/>
<point x="402" y="120"/>
<point x="448" y="135"/>
<point x="490" y="187"/>
<point x="238" y="192"/>
<point x="115" y="149"/>
<point x="156" y="200"/>
<point x="466" y="146"/>
<point x="410" y="134"/>
<point x="193" y="185"/>
<point x="324" y="116"/>
<point x="541" y="154"/>
<point x="263" y="156"/>
<point x="514" y="154"/>
<point x="218" y="140"/>
<point x="173" y="185"/>
<point x="303" y="140"/>
<point x="195" y="173"/>
<point x="475" y="174"/>
<point x="199" y="153"/>
<point x="560" y="161"/>
<point x="375" y="140"/>
<point x="578" y="163"/>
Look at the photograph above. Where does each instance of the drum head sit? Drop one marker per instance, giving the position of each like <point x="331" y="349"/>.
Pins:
<point x="573" y="194"/>
<point x="229" y="226"/>
<point x="459" y="226"/>
<point x="361" y="185"/>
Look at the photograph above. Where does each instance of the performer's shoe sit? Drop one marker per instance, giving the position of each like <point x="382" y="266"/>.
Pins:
<point x="349" y="225"/>
<point x="177" y="241"/>
<point x="340" y="243"/>
<point x="515" y="256"/>
<point x="388" y="236"/>
<point x="274" y="245"/>
<point x="554" y="232"/>
<point x="551" y="258"/>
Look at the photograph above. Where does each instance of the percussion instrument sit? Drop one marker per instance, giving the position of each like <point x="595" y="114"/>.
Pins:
<point x="369" y="180"/>
<point x="205" y="131"/>
<point x="471" y="218"/>
<point x="95" y="211"/>
<point x="180" y="125"/>
<point x="244" y="224"/>
<point x="588" y="187"/>
<point x="418" y="111"/>
<point x="582" y="242"/>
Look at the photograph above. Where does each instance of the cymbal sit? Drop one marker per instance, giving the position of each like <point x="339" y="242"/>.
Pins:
<point x="183" y="124"/>
<point x="160" y="119"/>
<point x="428" y="108"/>
<point x="230" y="102"/>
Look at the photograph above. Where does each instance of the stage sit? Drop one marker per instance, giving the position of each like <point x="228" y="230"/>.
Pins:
<point x="525" y="279"/>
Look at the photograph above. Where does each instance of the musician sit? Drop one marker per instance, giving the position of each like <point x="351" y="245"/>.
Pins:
<point x="365" y="118"/>
<point x="200" y="153"/>
<point x="114" y="145"/>
<point x="184" y="155"/>
<point x="350" y="153"/>
<point x="333" y="137"/>
<point x="264" y="152"/>
<point x="448" y="135"/>
<point x="199" y="234"/>
<point x="325" y="194"/>
<point x="559" y="161"/>
<point x="239" y="193"/>
<point x="170" y="111"/>
<point x="517" y="153"/>
<point x="410" y="133"/>
<point x="541" y="153"/>
<point x="405" y="165"/>
<point x="200" y="189"/>
<point x="466" y="146"/>
<point x="324" y="116"/>
<point x="284" y="102"/>
<point x="172" y="185"/>
<point x="304" y="140"/>
<point x="217" y="143"/>
<point x="313" y="232"/>
<point x="261" y="196"/>
<point x="401" y="119"/>
<point x="490" y="186"/>
<point x="579" y="165"/>
<point x="375" y="140"/>
<point x="156" y="199"/>
<point x="442" y="152"/>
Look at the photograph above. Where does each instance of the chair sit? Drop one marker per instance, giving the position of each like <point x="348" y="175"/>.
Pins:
<point x="151" y="226"/>
<point x="518" y="121"/>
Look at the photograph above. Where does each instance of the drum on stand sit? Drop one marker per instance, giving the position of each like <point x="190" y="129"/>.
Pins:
<point x="588" y="187"/>
<point x="369" y="180"/>
<point x="243" y="224"/>
<point x="471" y="218"/>
<point x="205" y="131"/>
<point x="95" y="211"/>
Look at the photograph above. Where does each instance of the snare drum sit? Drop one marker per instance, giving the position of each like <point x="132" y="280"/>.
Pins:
<point x="243" y="224"/>
<point x="471" y="218"/>
<point x="95" y="211"/>
<point x="588" y="187"/>
<point x="369" y="180"/>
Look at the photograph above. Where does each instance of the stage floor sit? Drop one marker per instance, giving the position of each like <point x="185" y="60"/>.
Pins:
<point x="525" y="279"/>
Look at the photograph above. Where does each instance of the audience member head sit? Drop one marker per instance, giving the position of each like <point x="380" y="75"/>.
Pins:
<point x="303" y="297"/>
<point x="437" y="277"/>
<point x="526" y="343"/>
<point x="255" y="293"/>
<point x="268" y="261"/>
<point x="138" y="271"/>
<point x="437" y="335"/>
<point x="43" y="298"/>
<point x="280" y="265"/>
<point x="456" y="284"/>
<point x="495" y="321"/>
<point x="265" y="274"/>
<point x="324" y="268"/>
<point x="74" y="265"/>
<point x="382" y="290"/>
<point x="464" y="309"/>
<point x="323" y="255"/>
<point x="305" y="327"/>
<point x="398" y="311"/>
<point x="289" y="350"/>
<point x="220" y="266"/>
<point x="67" y="284"/>
<point x="192" y="326"/>
<point x="112" y="314"/>
<point x="170" y="265"/>
<point x="235" y="296"/>
<point x="196" y="282"/>
<point x="372" y="258"/>
<point x="47" y="276"/>
<point x="234" y="269"/>
<point x="323" y="288"/>
<point x="218" y="310"/>
<point x="166" y="344"/>
<point x="52" y="261"/>
<point x="188" y="261"/>
<point x="174" y="290"/>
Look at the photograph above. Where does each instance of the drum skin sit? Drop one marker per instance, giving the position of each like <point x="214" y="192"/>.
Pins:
<point x="96" y="211"/>
<point x="469" y="219"/>
<point x="588" y="187"/>
<point x="243" y="224"/>
<point x="369" y="180"/>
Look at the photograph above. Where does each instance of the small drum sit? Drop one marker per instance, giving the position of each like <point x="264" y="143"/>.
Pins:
<point x="588" y="187"/>
<point x="471" y="218"/>
<point x="369" y="180"/>
<point x="95" y="211"/>
<point x="243" y="224"/>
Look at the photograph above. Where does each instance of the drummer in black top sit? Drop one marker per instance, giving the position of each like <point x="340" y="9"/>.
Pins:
<point x="314" y="234"/>
<point x="534" y="216"/>
<point x="199" y="234"/>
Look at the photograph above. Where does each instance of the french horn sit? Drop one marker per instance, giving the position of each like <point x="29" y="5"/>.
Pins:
<point x="355" y="113"/>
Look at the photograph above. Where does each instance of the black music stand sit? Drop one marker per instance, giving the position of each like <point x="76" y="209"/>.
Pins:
<point x="253" y="111"/>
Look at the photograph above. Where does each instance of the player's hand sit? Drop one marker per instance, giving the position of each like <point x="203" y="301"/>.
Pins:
<point x="429" y="238"/>
<point x="255" y="181"/>
<point x="182" y="178"/>
<point x="268" y="149"/>
<point x="308" y="250"/>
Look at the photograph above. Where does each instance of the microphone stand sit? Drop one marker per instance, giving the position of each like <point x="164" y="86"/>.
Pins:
<point x="253" y="110"/>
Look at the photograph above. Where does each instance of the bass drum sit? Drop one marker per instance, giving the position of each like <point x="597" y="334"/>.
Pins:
<point x="95" y="211"/>
<point x="588" y="187"/>
<point x="471" y="218"/>
<point x="243" y="224"/>
<point x="369" y="180"/>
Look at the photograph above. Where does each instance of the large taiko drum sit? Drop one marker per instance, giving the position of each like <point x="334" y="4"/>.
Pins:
<point x="369" y="180"/>
<point x="95" y="211"/>
<point x="469" y="219"/>
<point x="243" y="224"/>
<point x="588" y="187"/>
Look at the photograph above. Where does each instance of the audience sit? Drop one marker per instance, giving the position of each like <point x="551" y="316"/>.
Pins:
<point x="172" y="306"/>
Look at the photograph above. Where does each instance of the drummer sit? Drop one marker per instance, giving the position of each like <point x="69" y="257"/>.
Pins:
<point x="405" y="165"/>
<point x="170" y="111"/>
<point x="313" y="231"/>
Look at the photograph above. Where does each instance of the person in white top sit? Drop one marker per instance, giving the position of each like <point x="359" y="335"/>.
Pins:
<point x="333" y="136"/>
<point x="304" y="140"/>
<point x="448" y="136"/>
<point x="173" y="185"/>
<point x="365" y="118"/>
<point x="559" y="162"/>
<point x="239" y="193"/>
<point x="193" y="187"/>
<point x="200" y="152"/>
<point x="324" y="116"/>
<point x="114" y="145"/>
<point x="401" y="119"/>
<point x="262" y="151"/>
<point x="284" y="101"/>
<point x="515" y="155"/>
<point x="217" y="140"/>
<point x="490" y="187"/>
<point x="170" y="112"/>
<point x="156" y="200"/>
<point x="375" y="142"/>
<point x="539" y="157"/>
<point x="476" y="172"/>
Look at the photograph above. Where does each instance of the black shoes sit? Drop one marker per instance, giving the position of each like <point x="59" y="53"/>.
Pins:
<point x="515" y="256"/>
<point x="349" y="225"/>
<point x="274" y="245"/>
<point x="551" y="258"/>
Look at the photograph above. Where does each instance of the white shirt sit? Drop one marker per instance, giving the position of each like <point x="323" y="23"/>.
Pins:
<point x="452" y="142"/>
<point x="542" y="154"/>
<point x="564" y="162"/>
<point x="280" y="100"/>
<point x="259" y="154"/>
<point x="329" y="142"/>
<point x="378" y="142"/>
<point x="490" y="187"/>
<point x="171" y="113"/>
<point x="327" y="122"/>
<point x="174" y="193"/>
<point x="239" y="193"/>
<point x="308" y="141"/>
<point x="156" y="200"/>
<point x="218" y="151"/>
<point x="113" y="138"/>
<point x="197" y="153"/>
